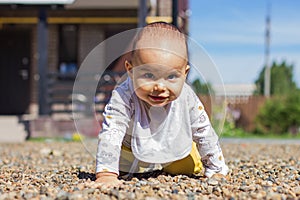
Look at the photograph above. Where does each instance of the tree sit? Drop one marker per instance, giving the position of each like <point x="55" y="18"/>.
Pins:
<point x="202" y="88"/>
<point x="282" y="82"/>
<point x="280" y="114"/>
<point x="293" y="112"/>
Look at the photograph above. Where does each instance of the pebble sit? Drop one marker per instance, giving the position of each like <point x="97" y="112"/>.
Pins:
<point x="297" y="190"/>
<point x="212" y="181"/>
<point x="58" y="170"/>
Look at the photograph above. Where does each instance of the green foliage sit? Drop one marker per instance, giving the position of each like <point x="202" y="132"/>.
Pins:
<point x="293" y="109"/>
<point x="281" y="79"/>
<point x="201" y="88"/>
<point x="229" y="130"/>
<point x="280" y="114"/>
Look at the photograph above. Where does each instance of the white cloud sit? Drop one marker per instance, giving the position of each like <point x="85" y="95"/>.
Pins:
<point x="233" y="32"/>
<point x="286" y="33"/>
<point x="239" y="68"/>
<point x="246" y="68"/>
<point x="235" y="37"/>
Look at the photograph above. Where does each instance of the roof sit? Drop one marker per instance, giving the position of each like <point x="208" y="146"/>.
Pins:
<point x="80" y="4"/>
<point x="234" y="89"/>
<point x="103" y="4"/>
<point x="36" y="2"/>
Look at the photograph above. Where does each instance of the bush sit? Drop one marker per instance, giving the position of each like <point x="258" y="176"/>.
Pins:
<point x="280" y="115"/>
<point x="230" y="131"/>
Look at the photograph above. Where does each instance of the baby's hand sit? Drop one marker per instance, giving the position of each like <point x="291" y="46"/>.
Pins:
<point x="107" y="180"/>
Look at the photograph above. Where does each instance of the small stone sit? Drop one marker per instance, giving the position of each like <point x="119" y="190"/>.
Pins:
<point x="279" y="189"/>
<point x="191" y="196"/>
<point x="212" y="181"/>
<point x="274" y="196"/>
<point x="45" y="151"/>
<point x="269" y="183"/>
<point x="43" y="190"/>
<point x="175" y="191"/>
<point x="296" y="190"/>
<point x="269" y="166"/>
<point x="134" y="179"/>
<point x="244" y="188"/>
<point x="62" y="195"/>
<point x="115" y="193"/>
<point x="143" y="182"/>
<point x="57" y="153"/>
<point x="210" y="189"/>
<point x="81" y="186"/>
<point x="226" y="192"/>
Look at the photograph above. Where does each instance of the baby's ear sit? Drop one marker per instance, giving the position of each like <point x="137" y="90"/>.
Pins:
<point x="187" y="69"/>
<point x="128" y="67"/>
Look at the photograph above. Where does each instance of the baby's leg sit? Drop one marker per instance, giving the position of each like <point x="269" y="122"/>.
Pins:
<point x="189" y="165"/>
<point x="129" y="164"/>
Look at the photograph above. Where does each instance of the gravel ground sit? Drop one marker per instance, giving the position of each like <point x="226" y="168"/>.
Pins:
<point x="64" y="170"/>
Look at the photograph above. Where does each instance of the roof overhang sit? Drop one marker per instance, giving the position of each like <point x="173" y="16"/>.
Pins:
<point x="37" y="2"/>
<point x="104" y="4"/>
<point x="80" y="4"/>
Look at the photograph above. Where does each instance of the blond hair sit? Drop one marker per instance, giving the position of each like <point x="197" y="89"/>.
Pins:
<point x="158" y="32"/>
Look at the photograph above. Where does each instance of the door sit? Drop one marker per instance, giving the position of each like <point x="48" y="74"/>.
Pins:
<point x="14" y="71"/>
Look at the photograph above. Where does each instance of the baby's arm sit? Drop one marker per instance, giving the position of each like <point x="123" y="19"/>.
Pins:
<point x="210" y="151"/>
<point x="116" y="118"/>
<point x="207" y="140"/>
<point x="107" y="162"/>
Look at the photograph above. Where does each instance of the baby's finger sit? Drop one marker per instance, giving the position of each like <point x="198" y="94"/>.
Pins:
<point x="96" y="185"/>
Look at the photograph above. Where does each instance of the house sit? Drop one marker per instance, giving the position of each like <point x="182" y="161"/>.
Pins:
<point x="44" y="43"/>
<point x="48" y="37"/>
<point x="242" y="105"/>
<point x="235" y="93"/>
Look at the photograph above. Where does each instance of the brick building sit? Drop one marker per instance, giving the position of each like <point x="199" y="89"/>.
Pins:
<point x="70" y="32"/>
<point x="44" y="41"/>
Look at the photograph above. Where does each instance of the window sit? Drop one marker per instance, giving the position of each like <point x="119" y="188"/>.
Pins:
<point x="68" y="49"/>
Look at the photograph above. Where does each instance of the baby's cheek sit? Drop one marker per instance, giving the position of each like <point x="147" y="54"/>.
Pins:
<point x="172" y="97"/>
<point x="143" y="85"/>
<point x="176" y="90"/>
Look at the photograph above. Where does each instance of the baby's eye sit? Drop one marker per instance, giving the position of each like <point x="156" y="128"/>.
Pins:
<point x="172" y="76"/>
<point x="149" y="75"/>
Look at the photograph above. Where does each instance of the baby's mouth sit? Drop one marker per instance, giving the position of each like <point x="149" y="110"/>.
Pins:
<point x="157" y="98"/>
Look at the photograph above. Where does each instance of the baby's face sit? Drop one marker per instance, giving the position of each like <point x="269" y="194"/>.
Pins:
<point x="158" y="76"/>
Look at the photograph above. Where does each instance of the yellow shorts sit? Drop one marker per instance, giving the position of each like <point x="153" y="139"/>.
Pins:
<point x="189" y="165"/>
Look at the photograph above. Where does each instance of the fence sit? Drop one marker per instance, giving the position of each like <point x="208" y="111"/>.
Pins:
<point x="60" y="94"/>
<point x="62" y="99"/>
<point x="248" y="108"/>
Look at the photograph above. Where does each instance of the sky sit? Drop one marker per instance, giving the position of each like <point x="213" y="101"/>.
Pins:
<point x="232" y="33"/>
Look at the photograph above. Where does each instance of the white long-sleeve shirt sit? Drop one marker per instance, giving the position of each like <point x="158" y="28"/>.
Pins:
<point x="157" y="134"/>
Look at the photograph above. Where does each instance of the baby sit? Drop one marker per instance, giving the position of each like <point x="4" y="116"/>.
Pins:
<point x="154" y="120"/>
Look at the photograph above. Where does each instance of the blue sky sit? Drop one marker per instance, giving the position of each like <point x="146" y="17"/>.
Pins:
<point x="232" y="33"/>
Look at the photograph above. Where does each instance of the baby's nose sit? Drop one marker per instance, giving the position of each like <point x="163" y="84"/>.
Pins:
<point x="160" y="86"/>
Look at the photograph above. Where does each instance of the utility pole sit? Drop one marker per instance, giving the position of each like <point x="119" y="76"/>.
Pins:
<point x="142" y="13"/>
<point x="174" y="12"/>
<point x="267" y="82"/>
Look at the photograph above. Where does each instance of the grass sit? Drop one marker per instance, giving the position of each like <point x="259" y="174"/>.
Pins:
<point x="239" y="133"/>
<point x="48" y="139"/>
<point x="76" y="137"/>
<point x="228" y="132"/>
